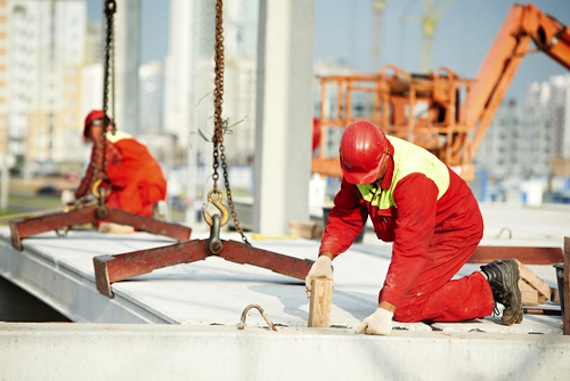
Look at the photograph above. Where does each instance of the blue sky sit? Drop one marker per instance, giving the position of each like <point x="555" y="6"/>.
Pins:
<point x="344" y="31"/>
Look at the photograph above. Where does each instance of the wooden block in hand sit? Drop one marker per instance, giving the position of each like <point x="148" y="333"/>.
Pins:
<point x="320" y="304"/>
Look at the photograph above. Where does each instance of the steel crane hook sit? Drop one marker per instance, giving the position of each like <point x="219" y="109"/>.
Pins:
<point x="215" y="198"/>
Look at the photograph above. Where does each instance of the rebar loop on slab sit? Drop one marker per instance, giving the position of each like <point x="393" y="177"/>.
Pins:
<point x="241" y="324"/>
<point x="508" y="230"/>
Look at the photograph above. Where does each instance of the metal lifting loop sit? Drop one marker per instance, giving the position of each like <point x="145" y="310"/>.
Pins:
<point x="215" y="243"/>
<point x="102" y="211"/>
<point x="241" y="324"/>
<point x="63" y="232"/>
<point x="215" y="198"/>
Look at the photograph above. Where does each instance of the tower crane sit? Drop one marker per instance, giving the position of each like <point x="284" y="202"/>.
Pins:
<point x="430" y="17"/>
<point x="378" y="7"/>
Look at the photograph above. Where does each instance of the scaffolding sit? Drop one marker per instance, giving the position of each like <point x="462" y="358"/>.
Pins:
<point x="421" y="108"/>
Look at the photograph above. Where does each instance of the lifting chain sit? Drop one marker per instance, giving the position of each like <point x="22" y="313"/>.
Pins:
<point x="218" y="138"/>
<point x="108" y="81"/>
<point x="109" y="69"/>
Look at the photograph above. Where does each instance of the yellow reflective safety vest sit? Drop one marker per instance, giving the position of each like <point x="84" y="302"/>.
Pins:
<point x="408" y="158"/>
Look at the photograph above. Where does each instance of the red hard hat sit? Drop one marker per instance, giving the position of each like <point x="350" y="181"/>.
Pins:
<point x="362" y="150"/>
<point x="91" y="117"/>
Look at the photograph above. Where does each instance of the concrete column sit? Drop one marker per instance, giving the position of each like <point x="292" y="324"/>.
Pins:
<point x="284" y="113"/>
<point x="127" y="60"/>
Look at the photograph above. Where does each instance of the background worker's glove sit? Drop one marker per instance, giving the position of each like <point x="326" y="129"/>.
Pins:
<point x="321" y="269"/>
<point x="70" y="203"/>
<point x="68" y="200"/>
<point x="67" y="197"/>
<point x="379" y="323"/>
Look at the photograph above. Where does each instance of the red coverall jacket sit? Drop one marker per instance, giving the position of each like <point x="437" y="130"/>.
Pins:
<point x="434" y="222"/>
<point x="137" y="181"/>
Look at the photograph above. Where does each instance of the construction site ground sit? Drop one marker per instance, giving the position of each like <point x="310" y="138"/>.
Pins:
<point x="190" y="315"/>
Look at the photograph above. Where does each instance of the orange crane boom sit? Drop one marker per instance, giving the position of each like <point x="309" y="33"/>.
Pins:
<point x="522" y="25"/>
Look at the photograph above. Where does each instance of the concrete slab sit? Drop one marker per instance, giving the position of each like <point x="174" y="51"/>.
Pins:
<point x="182" y="352"/>
<point x="59" y="270"/>
<point x="194" y="310"/>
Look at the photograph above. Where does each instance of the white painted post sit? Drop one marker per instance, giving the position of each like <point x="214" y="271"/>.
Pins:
<point x="284" y="114"/>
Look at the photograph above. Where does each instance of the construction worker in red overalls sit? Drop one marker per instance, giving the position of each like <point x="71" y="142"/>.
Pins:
<point x="430" y="214"/>
<point x="135" y="180"/>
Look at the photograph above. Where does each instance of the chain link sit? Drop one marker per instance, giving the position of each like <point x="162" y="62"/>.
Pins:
<point x="218" y="138"/>
<point x="110" y="9"/>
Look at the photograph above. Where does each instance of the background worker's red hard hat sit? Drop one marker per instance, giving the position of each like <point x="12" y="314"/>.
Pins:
<point x="362" y="149"/>
<point x="93" y="115"/>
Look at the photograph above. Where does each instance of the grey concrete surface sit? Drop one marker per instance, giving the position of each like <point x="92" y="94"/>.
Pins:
<point x="183" y="352"/>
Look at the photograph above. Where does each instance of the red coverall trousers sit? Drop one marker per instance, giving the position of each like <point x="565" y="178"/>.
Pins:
<point x="434" y="295"/>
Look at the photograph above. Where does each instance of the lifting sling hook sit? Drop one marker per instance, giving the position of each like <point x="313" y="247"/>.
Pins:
<point x="98" y="190"/>
<point x="215" y="198"/>
<point x="101" y="193"/>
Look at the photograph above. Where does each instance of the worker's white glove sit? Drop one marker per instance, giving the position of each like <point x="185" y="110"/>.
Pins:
<point x="67" y="197"/>
<point x="379" y="323"/>
<point x="321" y="269"/>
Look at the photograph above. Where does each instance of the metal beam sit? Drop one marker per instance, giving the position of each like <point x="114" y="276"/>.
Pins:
<point x="526" y="255"/>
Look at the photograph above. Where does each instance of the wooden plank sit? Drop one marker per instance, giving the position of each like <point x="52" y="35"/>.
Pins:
<point x="542" y="310"/>
<point x="113" y="228"/>
<point x="320" y="303"/>
<point x="536" y="282"/>
<point x="527" y="255"/>
<point x="529" y="295"/>
<point x="303" y="229"/>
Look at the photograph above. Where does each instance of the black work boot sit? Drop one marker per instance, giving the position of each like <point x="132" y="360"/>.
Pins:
<point x="503" y="277"/>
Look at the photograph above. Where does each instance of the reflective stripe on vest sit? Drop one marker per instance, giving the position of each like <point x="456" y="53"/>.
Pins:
<point x="119" y="135"/>
<point x="408" y="159"/>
